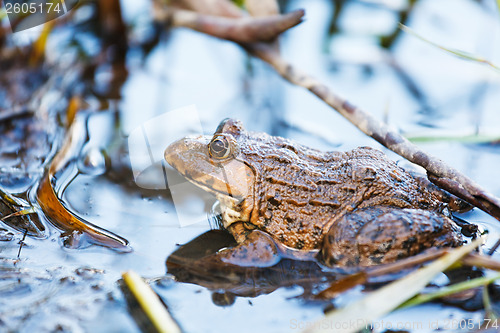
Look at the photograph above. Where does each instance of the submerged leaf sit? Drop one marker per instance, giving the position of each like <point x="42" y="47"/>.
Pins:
<point x="459" y="53"/>
<point x="80" y="230"/>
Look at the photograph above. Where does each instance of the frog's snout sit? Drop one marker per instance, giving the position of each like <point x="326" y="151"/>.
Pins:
<point x="185" y="151"/>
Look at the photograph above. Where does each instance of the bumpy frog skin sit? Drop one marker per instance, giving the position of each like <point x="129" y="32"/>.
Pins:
<point x="356" y="208"/>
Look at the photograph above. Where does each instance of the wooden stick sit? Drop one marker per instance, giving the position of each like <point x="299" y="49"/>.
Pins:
<point x="438" y="171"/>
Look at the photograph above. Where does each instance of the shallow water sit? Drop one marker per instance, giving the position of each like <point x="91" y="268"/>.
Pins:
<point x="50" y="287"/>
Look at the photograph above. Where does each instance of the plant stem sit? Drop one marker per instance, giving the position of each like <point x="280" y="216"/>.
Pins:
<point x="453" y="289"/>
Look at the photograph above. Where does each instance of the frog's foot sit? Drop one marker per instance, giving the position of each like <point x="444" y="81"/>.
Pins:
<point x="257" y="250"/>
<point x="379" y="235"/>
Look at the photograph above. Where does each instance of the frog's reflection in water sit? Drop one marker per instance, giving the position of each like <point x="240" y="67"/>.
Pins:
<point x="196" y="262"/>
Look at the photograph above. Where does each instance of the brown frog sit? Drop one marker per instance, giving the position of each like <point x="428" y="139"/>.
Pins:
<point x="279" y="198"/>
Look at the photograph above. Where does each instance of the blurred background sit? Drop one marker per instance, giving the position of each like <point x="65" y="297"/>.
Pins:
<point x="131" y="71"/>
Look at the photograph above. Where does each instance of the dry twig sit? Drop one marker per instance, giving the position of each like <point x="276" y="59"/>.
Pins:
<point x="240" y="30"/>
<point x="438" y="171"/>
<point x="209" y="7"/>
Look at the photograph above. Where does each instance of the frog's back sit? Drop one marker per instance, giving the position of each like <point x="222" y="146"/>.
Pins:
<point x="300" y="192"/>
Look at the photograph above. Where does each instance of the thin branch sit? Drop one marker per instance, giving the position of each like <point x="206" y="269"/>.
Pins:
<point x="438" y="171"/>
<point x="209" y="7"/>
<point x="240" y="30"/>
<point x="262" y="7"/>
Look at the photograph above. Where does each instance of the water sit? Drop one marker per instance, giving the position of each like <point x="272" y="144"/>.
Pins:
<point x="415" y="87"/>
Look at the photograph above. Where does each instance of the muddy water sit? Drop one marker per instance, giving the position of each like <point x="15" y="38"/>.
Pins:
<point x="187" y="85"/>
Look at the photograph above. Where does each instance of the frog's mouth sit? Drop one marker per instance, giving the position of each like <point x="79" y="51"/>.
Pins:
<point x="231" y="180"/>
<point x="202" y="183"/>
<point x="233" y="209"/>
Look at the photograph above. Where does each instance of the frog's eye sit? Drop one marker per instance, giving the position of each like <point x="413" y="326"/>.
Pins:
<point x="220" y="147"/>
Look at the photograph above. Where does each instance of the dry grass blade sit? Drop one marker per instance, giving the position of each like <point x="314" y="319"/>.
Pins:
<point x="20" y="209"/>
<point x="490" y="313"/>
<point x="444" y="137"/>
<point x="455" y="52"/>
<point x="149" y="303"/>
<point x="357" y="315"/>
<point x="29" y="210"/>
<point x="482" y="261"/>
<point x="38" y="51"/>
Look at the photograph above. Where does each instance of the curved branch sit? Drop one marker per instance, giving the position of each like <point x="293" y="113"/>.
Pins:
<point x="240" y="30"/>
<point x="438" y="171"/>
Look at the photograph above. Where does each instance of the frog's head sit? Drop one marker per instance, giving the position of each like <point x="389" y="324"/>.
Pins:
<point x="214" y="164"/>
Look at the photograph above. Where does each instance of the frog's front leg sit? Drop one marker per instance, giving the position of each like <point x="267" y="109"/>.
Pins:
<point x="255" y="248"/>
<point x="379" y="235"/>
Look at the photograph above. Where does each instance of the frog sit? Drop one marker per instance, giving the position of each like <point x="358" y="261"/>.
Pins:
<point x="281" y="199"/>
